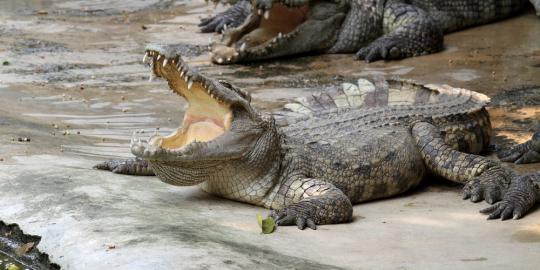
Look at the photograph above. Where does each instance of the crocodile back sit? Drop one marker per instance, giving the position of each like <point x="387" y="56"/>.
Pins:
<point x="361" y="106"/>
<point x="454" y="15"/>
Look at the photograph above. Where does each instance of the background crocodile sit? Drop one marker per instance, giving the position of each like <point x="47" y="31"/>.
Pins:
<point x="373" y="29"/>
<point x="363" y="142"/>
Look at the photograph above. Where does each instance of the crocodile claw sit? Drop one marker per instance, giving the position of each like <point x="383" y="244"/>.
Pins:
<point x="292" y="215"/>
<point x="488" y="186"/>
<point x="519" y="198"/>
<point x="381" y="49"/>
<point x="230" y="18"/>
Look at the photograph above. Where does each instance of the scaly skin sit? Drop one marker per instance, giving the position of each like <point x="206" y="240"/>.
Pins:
<point x="527" y="152"/>
<point x="372" y="29"/>
<point x="347" y="145"/>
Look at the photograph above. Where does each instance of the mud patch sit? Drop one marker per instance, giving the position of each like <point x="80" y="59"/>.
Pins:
<point x="515" y="115"/>
<point x="479" y="259"/>
<point x="30" y="46"/>
<point x="531" y="235"/>
<point x="521" y="96"/>
<point x="190" y="50"/>
<point x="22" y="248"/>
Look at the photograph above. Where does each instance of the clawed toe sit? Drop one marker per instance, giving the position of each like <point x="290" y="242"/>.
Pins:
<point x="287" y="217"/>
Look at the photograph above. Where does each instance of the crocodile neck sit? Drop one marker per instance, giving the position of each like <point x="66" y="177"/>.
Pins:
<point x="252" y="178"/>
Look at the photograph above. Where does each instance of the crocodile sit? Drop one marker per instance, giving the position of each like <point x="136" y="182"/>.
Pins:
<point x="372" y="29"/>
<point x="312" y="161"/>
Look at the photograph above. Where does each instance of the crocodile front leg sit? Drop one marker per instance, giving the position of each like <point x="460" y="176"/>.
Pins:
<point x="312" y="202"/>
<point x="483" y="178"/>
<point x="528" y="152"/>
<point x="232" y="17"/>
<point x="409" y="31"/>
<point x="133" y="166"/>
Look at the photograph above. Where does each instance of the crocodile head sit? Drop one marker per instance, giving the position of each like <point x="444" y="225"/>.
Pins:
<point x="280" y="31"/>
<point x="220" y="128"/>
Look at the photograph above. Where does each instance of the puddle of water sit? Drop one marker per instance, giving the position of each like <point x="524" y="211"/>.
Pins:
<point x="479" y="259"/>
<point x="464" y="75"/>
<point x="23" y="7"/>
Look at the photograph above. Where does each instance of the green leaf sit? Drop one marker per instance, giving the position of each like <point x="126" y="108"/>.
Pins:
<point x="268" y="225"/>
<point x="259" y="220"/>
<point x="12" y="267"/>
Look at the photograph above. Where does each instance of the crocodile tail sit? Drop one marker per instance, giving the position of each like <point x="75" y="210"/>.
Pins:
<point x="365" y="95"/>
<point x="348" y="95"/>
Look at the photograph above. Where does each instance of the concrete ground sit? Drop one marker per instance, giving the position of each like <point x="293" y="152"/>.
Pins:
<point x="72" y="82"/>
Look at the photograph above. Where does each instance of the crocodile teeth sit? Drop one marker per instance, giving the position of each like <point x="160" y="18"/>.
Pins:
<point x="243" y="47"/>
<point x="225" y="27"/>
<point x="158" y="57"/>
<point x="220" y="60"/>
<point x="186" y="78"/>
<point x="165" y="62"/>
<point x="259" y="11"/>
<point x="266" y="15"/>
<point x="228" y="59"/>
<point x="182" y="73"/>
<point x="280" y="35"/>
<point x="190" y="83"/>
<point x="144" y="58"/>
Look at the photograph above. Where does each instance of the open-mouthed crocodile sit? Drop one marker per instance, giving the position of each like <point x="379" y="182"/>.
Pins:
<point x="349" y="144"/>
<point x="373" y="29"/>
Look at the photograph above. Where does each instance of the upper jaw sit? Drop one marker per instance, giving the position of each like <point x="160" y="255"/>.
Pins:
<point x="208" y="99"/>
<point x="167" y="63"/>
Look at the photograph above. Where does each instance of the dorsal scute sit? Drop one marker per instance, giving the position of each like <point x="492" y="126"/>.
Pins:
<point x="379" y="93"/>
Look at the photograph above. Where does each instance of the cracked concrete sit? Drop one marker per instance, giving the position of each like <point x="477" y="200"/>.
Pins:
<point x="73" y="83"/>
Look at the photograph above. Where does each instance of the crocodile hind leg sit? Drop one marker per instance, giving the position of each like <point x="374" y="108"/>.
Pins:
<point x="134" y="166"/>
<point x="310" y="202"/>
<point x="409" y="31"/>
<point x="528" y="152"/>
<point x="232" y="17"/>
<point x="483" y="178"/>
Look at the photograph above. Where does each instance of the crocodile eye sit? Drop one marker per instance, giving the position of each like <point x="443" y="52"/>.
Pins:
<point x="225" y="83"/>
<point x="242" y="93"/>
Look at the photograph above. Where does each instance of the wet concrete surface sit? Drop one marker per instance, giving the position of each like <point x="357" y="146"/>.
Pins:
<point x="71" y="80"/>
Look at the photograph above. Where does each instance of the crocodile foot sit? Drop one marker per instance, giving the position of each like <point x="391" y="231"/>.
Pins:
<point x="301" y="214"/>
<point x="135" y="166"/>
<point x="384" y="48"/>
<point x="519" y="198"/>
<point x="528" y="152"/>
<point x="232" y="17"/>
<point x="489" y="186"/>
